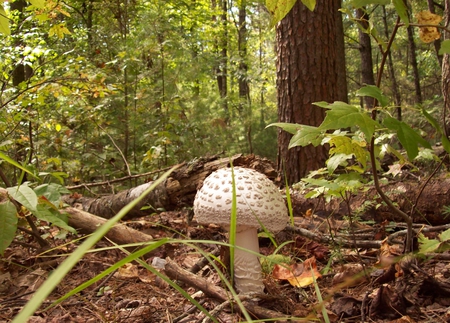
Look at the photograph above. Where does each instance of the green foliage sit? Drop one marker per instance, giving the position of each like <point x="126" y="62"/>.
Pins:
<point x="441" y="244"/>
<point x="9" y="220"/>
<point x="46" y="288"/>
<point x="43" y="202"/>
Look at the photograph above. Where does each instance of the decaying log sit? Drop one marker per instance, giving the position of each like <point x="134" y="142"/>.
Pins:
<point x="175" y="272"/>
<point x="428" y="207"/>
<point x="176" y="192"/>
<point x="180" y="188"/>
<point x="119" y="233"/>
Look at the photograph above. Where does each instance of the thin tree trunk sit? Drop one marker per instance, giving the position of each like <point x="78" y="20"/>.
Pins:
<point x="365" y="51"/>
<point x="244" y="89"/>
<point x="437" y="42"/>
<point x="221" y="68"/>
<point x="414" y="65"/>
<point x="391" y="71"/>
<point x="446" y="72"/>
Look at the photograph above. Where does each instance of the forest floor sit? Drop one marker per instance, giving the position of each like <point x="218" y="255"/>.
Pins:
<point x="407" y="291"/>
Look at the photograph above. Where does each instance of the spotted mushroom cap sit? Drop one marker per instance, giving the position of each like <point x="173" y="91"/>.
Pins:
<point x="256" y="198"/>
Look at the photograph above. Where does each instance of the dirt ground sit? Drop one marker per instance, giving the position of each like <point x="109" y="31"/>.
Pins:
<point x="411" y="290"/>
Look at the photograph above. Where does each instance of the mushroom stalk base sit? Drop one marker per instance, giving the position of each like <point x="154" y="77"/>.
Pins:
<point x="247" y="268"/>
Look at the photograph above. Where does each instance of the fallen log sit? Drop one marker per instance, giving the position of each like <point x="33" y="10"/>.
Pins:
<point x="120" y="233"/>
<point x="176" y="192"/>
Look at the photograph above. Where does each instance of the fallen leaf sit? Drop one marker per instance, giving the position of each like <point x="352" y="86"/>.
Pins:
<point x="297" y="274"/>
<point x="127" y="271"/>
<point x="350" y="274"/>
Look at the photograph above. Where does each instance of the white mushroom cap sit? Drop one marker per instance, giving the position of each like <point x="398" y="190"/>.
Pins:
<point x="257" y="198"/>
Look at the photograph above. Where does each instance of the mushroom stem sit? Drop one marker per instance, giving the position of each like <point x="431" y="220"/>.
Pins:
<point x="247" y="268"/>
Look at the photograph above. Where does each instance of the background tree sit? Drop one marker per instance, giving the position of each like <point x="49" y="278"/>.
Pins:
<point x="309" y="69"/>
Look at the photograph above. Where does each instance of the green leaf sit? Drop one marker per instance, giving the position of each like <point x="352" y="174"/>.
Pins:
<point x="337" y="160"/>
<point x="292" y="128"/>
<point x="310" y="4"/>
<point x="427" y="245"/>
<point x="409" y="138"/>
<point x="4" y="22"/>
<point x="279" y="9"/>
<point x="445" y="236"/>
<point x="38" y="3"/>
<point x="14" y="163"/>
<point x="402" y="11"/>
<point x="445" y="47"/>
<point x="8" y="227"/>
<point x="374" y="92"/>
<point x="58" y="275"/>
<point x="25" y="196"/>
<point x="347" y="146"/>
<point x="435" y="124"/>
<point x="52" y="216"/>
<point x="343" y="115"/>
<point x="307" y="135"/>
<point x="51" y="191"/>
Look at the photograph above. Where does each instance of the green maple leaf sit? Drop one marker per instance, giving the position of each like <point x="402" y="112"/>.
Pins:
<point x="408" y="137"/>
<point x="307" y="135"/>
<point x="342" y="145"/>
<point x="343" y="115"/>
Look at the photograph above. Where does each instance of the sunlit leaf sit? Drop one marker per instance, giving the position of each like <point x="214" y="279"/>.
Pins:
<point x="38" y="3"/>
<point x="279" y="9"/>
<point x="427" y="245"/>
<point x="343" y="115"/>
<point x="25" y="196"/>
<point x="310" y="4"/>
<point x="4" y="22"/>
<point x="59" y="30"/>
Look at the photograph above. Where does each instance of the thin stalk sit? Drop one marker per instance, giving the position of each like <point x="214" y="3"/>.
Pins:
<point x="376" y="180"/>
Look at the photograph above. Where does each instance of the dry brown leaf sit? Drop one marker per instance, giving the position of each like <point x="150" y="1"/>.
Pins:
<point x="388" y="254"/>
<point x="428" y="34"/>
<point x="297" y="274"/>
<point x="350" y="274"/>
<point x="127" y="271"/>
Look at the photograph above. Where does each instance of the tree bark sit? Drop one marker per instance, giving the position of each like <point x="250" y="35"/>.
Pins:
<point x="365" y="50"/>
<point x="307" y="71"/>
<point x="391" y="71"/>
<point x="414" y="65"/>
<point x="446" y="72"/>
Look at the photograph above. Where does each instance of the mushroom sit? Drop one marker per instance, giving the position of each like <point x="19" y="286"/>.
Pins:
<point x="258" y="201"/>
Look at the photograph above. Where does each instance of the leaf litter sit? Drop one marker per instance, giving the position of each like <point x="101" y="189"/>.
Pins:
<point x="356" y="284"/>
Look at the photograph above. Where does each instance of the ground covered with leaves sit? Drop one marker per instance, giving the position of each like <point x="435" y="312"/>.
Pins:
<point x="360" y="276"/>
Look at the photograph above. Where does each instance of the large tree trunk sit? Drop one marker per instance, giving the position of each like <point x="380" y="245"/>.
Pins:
<point x="307" y="71"/>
